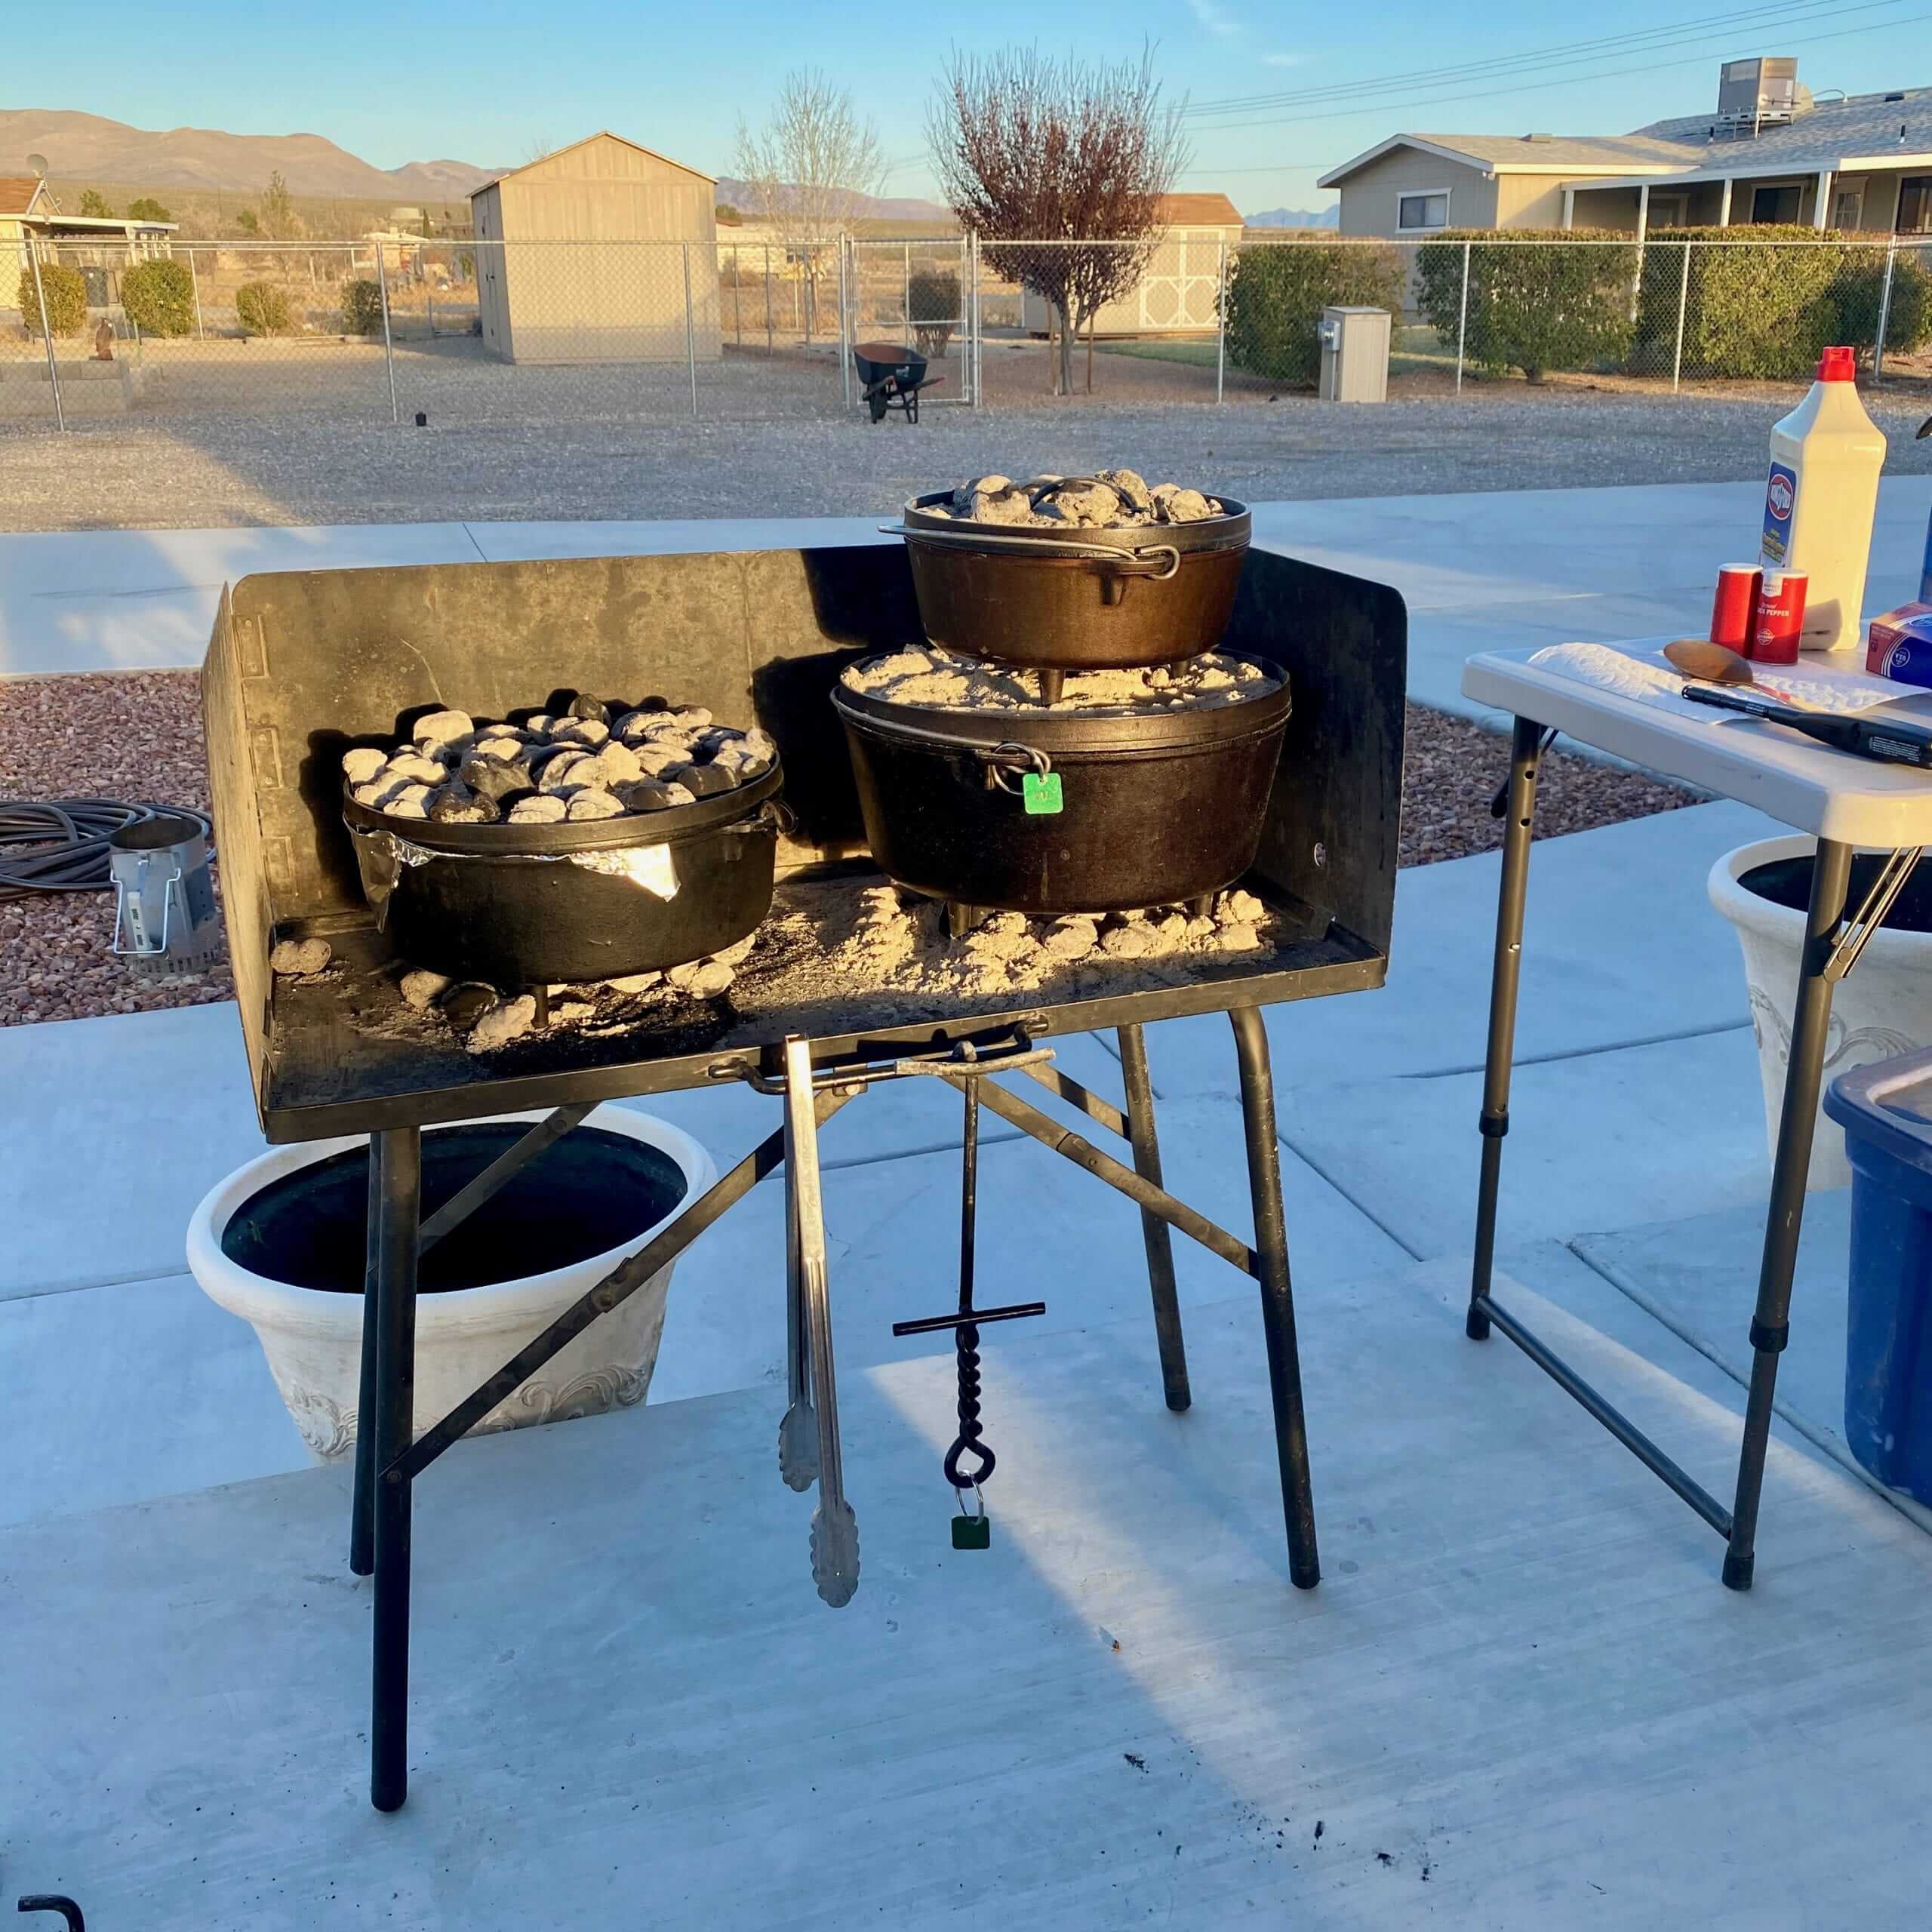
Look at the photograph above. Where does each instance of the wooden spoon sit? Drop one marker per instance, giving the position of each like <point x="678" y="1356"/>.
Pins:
<point x="1709" y="663"/>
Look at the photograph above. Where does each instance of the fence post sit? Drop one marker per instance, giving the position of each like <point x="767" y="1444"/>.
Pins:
<point x="1221" y="323"/>
<point x="195" y="279"/>
<point x="1683" y="297"/>
<point x="972" y="311"/>
<point x="909" y="286"/>
<point x="388" y="347"/>
<point x="1462" y="318"/>
<point x="737" y="304"/>
<point x="770" y="349"/>
<point x="690" y="332"/>
<point x="47" y="332"/>
<point x="1884" y="310"/>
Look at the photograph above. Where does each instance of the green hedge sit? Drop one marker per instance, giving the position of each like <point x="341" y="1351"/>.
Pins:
<point x="262" y="308"/>
<point x="1536" y="302"/>
<point x="1766" y="300"/>
<point x="159" y="297"/>
<point x="65" y="292"/>
<point x="361" y="307"/>
<point x="1276" y="291"/>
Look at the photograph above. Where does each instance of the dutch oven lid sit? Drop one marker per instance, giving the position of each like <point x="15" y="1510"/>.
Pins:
<point x="675" y="824"/>
<point x="1229" y="531"/>
<point x="1065" y="733"/>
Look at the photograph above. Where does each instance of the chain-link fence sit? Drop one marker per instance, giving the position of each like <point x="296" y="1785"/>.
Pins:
<point x="532" y="332"/>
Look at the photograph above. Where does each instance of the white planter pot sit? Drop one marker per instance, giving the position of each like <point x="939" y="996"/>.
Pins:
<point x="313" y="1338"/>
<point x="1883" y="1008"/>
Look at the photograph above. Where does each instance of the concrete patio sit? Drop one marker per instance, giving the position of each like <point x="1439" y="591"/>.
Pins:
<point x="1519" y="1698"/>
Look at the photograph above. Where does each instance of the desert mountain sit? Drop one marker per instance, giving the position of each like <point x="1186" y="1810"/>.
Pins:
<point x="1295" y="218"/>
<point x="88" y="147"/>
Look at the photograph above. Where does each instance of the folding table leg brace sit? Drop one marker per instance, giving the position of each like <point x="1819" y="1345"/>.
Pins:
<point x="388" y="1461"/>
<point x="1828" y="956"/>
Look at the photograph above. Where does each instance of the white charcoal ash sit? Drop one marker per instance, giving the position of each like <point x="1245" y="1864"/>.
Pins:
<point x="703" y="979"/>
<point x="300" y="958"/>
<point x="591" y="803"/>
<point x="633" y="982"/>
<point x="361" y="763"/>
<point x="508" y="1020"/>
<point x="407" y="801"/>
<point x="589" y="732"/>
<point x="1110" y="499"/>
<point x="422" y="989"/>
<point x="540" y="808"/>
<point x="417" y="767"/>
<point x="929" y="676"/>
<point x="442" y="728"/>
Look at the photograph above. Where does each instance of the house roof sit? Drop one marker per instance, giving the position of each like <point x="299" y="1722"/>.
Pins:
<point x="602" y="135"/>
<point x="1860" y="131"/>
<point x="17" y="192"/>
<point x="1199" y="211"/>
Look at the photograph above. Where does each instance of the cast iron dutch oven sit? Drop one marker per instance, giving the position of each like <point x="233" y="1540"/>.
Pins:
<point x="1150" y="809"/>
<point x="1084" y="600"/>
<point x="525" y="905"/>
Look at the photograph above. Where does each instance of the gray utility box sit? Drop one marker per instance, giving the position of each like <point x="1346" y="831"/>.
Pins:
<point x="1355" y="354"/>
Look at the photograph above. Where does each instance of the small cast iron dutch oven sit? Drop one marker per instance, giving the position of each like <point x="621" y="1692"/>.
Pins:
<point x="1074" y="600"/>
<point x="529" y="905"/>
<point x="1056" y="811"/>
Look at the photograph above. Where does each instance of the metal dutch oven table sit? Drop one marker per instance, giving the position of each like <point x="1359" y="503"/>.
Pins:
<point x="301" y="665"/>
<point x="1848" y="803"/>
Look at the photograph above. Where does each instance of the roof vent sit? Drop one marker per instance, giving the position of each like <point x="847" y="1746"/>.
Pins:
<point x="1539" y="137"/>
<point x="1895" y="96"/>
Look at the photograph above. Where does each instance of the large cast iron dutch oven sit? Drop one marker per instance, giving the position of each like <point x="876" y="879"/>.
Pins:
<point x="1074" y="600"/>
<point x="529" y="905"/>
<point x="1154" y="808"/>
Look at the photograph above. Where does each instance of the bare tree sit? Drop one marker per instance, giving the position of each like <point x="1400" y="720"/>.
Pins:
<point x="1029" y="149"/>
<point x="810" y="169"/>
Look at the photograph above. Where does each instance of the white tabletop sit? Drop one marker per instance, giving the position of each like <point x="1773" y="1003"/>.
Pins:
<point x="1805" y="785"/>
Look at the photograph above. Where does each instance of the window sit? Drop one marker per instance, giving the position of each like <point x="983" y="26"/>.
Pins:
<point x="1847" y="207"/>
<point x="1670" y="211"/>
<point x="1770" y="204"/>
<point x="1429" y="209"/>
<point x="1915" y="204"/>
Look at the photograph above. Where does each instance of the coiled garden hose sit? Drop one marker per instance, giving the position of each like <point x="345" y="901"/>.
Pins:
<point x="60" y="844"/>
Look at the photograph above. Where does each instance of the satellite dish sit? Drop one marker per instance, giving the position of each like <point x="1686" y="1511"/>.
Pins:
<point x="38" y="162"/>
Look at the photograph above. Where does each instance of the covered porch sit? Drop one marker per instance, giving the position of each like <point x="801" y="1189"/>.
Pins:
<point x="1896" y="199"/>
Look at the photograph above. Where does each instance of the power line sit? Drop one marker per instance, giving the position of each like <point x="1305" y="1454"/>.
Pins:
<point x="1497" y="65"/>
<point x="1545" y="86"/>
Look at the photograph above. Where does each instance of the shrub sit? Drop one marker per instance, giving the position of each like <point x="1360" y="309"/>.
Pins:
<point x="1276" y="291"/>
<point x="1762" y="304"/>
<point x="932" y="307"/>
<point x="262" y="308"/>
<point x="1536" y="302"/>
<point x="145" y="208"/>
<point x="64" y="291"/>
<point x="361" y="306"/>
<point x="159" y="297"/>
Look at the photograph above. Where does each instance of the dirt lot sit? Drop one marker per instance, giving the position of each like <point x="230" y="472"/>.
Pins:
<point x="138" y="736"/>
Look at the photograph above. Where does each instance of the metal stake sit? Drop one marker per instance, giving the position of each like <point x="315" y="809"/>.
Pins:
<point x="388" y="347"/>
<point x="399" y="1169"/>
<point x="1154" y="1231"/>
<point x="1277" y="1306"/>
<point x="690" y="336"/>
<point x="1507" y="968"/>
<point x="47" y="334"/>
<point x="1804" y="1073"/>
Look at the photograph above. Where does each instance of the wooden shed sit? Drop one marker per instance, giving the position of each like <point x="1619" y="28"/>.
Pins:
<point x="598" y="253"/>
<point x="1179" y="292"/>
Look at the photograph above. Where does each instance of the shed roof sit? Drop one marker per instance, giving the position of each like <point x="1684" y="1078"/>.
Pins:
<point x="1199" y="211"/>
<point x="602" y="135"/>
<point x="18" y="192"/>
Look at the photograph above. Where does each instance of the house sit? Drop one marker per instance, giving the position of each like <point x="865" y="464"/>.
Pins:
<point x="605" y="251"/>
<point x="1179" y="292"/>
<point x="99" y="245"/>
<point x="1769" y="152"/>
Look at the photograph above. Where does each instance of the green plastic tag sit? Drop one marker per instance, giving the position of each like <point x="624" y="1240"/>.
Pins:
<point x="1041" y="794"/>
<point x="972" y="1533"/>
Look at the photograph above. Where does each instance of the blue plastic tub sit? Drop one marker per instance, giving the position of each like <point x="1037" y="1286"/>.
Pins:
<point x="1886" y="1112"/>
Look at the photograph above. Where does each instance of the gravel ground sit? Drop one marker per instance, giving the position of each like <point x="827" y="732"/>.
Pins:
<point x="312" y="443"/>
<point x="137" y="736"/>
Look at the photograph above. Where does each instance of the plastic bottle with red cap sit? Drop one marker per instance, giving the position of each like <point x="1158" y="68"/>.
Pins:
<point x="1820" y="499"/>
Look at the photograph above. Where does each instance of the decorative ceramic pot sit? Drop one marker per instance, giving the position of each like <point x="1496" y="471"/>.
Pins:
<point x="280" y="1243"/>
<point x="1884" y="1007"/>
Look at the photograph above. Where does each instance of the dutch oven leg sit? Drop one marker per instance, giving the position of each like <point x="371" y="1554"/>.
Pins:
<point x="1277" y="1306"/>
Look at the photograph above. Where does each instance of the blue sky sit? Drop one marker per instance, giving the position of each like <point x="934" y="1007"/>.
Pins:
<point x="486" y="81"/>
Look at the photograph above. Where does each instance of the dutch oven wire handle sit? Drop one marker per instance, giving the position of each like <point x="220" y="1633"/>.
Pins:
<point x="1008" y="757"/>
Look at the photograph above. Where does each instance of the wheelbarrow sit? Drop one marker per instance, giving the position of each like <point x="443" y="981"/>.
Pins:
<point x="891" y="374"/>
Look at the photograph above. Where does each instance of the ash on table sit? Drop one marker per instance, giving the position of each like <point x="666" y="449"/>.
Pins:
<point x="925" y="674"/>
<point x="591" y="761"/>
<point x="1108" y="499"/>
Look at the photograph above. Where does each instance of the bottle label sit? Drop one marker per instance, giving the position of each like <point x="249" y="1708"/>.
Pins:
<point x="1780" y="498"/>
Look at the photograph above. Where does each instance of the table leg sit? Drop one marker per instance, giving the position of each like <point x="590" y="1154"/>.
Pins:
<point x="361" y="1519"/>
<point x="1277" y="1306"/>
<point x="398" y="1174"/>
<point x="1811" y="1015"/>
<point x="1524" y="752"/>
<point x="1159" y="1243"/>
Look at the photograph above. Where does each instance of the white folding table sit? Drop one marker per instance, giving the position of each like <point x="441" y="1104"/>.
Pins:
<point x="1846" y="802"/>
